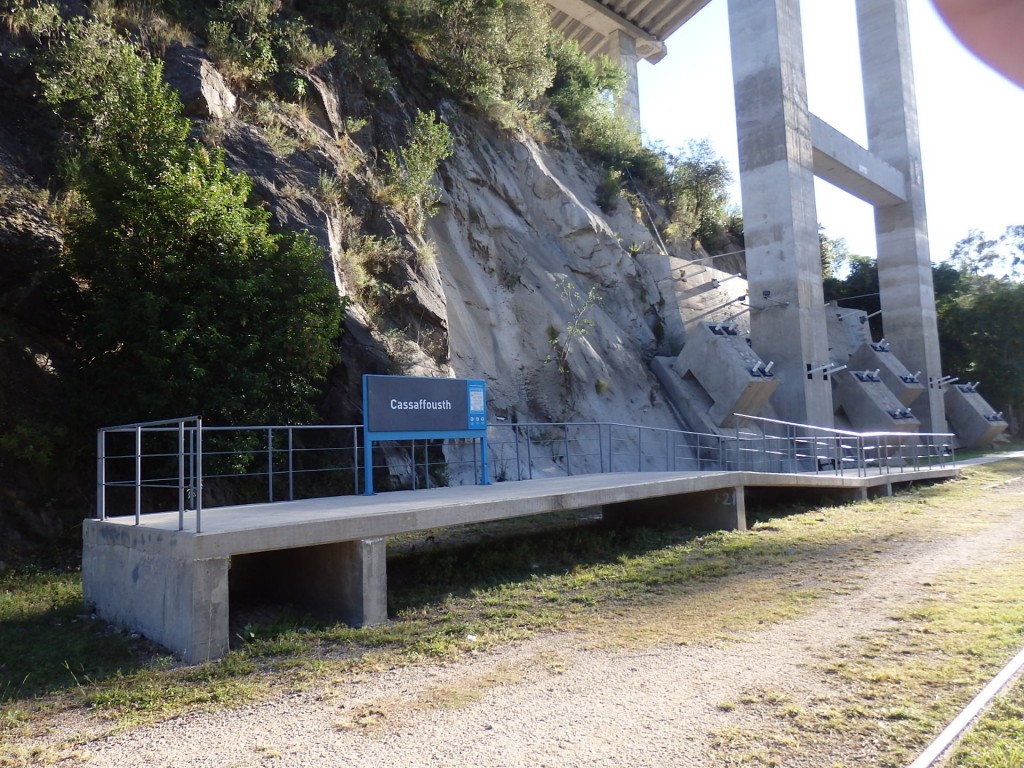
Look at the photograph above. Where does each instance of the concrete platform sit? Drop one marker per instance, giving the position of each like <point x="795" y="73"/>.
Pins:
<point x="330" y="554"/>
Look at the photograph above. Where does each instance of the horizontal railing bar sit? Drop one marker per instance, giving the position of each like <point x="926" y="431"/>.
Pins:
<point x="152" y="425"/>
<point x="845" y="432"/>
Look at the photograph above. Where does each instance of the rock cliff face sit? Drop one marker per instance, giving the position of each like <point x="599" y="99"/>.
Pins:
<point x="521" y="247"/>
<point x="557" y="305"/>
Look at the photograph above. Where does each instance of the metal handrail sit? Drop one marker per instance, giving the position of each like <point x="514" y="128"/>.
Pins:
<point x="192" y="457"/>
<point x="861" y="449"/>
<point x="516" y="451"/>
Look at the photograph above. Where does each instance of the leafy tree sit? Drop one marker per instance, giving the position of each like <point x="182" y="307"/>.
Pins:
<point x="190" y="303"/>
<point x="581" y="85"/>
<point x="700" y="182"/>
<point x="858" y="290"/>
<point x="980" y="304"/>
<point x="834" y="254"/>
<point x="492" y="50"/>
<point x="983" y="333"/>
<point x="1003" y="257"/>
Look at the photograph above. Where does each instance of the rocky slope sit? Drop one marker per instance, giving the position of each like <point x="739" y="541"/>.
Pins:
<point x="518" y="278"/>
<point x="516" y="247"/>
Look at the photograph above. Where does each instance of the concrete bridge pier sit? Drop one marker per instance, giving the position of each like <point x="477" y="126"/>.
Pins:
<point x="717" y="510"/>
<point x="780" y="222"/>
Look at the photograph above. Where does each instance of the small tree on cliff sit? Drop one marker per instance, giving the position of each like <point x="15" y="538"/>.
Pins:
<point x="189" y="304"/>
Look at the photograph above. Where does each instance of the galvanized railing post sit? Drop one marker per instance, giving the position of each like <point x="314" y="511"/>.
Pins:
<point x="565" y="433"/>
<point x="355" y="456"/>
<point x="639" y="449"/>
<point x="199" y="475"/>
<point x="414" y="464"/>
<point x="519" y="462"/>
<point x="611" y="450"/>
<point x="138" y="475"/>
<point x="270" y="464"/>
<point x="291" y="464"/>
<point x="101" y="474"/>
<point x="529" y="453"/>
<point x="181" y="475"/>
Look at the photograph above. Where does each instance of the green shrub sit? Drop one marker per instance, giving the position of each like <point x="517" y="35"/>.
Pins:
<point x="298" y="51"/>
<point x="38" y="20"/>
<point x="190" y="303"/>
<point x="700" y="184"/>
<point x="581" y="85"/>
<point x="240" y="39"/>
<point x="408" y="181"/>
<point x="491" y="50"/>
<point x="583" y="93"/>
<point x="252" y="42"/>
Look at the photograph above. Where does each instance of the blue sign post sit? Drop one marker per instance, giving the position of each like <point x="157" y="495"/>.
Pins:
<point x="415" y="407"/>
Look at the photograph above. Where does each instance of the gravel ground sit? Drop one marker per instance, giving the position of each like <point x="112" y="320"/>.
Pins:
<point x="556" y="700"/>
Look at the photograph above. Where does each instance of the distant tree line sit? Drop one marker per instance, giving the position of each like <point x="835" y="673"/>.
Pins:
<point x="979" y="298"/>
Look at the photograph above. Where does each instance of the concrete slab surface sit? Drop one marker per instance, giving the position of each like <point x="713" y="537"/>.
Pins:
<point x="239" y="529"/>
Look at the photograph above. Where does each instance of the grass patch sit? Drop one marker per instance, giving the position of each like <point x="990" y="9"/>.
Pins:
<point x="997" y="739"/>
<point x="461" y="591"/>
<point x="47" y="641"/>
<point x="896" y="690"/>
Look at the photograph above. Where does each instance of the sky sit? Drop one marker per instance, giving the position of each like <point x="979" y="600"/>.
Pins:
<point x="971" y="118"/>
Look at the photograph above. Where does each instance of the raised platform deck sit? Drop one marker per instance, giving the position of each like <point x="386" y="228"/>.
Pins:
<point x="174" y="585"/>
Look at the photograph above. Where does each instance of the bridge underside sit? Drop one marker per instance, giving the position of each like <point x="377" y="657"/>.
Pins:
<point x="649" y="22"/>
<point x="329" y="554"/>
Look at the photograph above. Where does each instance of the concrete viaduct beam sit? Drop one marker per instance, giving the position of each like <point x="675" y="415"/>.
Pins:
<point x="593" y="23"/>
<point x="846" y="164"/>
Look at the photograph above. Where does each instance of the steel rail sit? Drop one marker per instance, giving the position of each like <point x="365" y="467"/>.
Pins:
<point x="969" y="713"/>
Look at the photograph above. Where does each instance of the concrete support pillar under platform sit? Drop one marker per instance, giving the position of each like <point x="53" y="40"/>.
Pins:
<point x="143" y="579"/>
<point x="346" y="580"/>
<point x="719" y="510"/>
<point x="874" y="491"/>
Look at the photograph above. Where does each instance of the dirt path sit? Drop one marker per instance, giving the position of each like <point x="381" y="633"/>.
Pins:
<point x="556" y="701"/>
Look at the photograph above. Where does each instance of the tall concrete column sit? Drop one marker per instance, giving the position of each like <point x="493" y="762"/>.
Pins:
<point x="622" y="50"/>
<point x="780" y="218"/>
<point x="901" y="230"/>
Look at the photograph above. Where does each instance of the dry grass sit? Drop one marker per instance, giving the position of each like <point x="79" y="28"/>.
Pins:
<point x="883" y="693"/>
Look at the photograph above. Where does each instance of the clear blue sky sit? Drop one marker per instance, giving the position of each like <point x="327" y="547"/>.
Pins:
<point x="971" y="119"/>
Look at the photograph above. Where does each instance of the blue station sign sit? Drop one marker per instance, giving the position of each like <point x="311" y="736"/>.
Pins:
<point x="413" y="405"/>
<point x="417" y="408"/>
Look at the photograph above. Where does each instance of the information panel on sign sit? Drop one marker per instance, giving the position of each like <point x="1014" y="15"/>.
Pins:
<point x="411" y="404"/>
